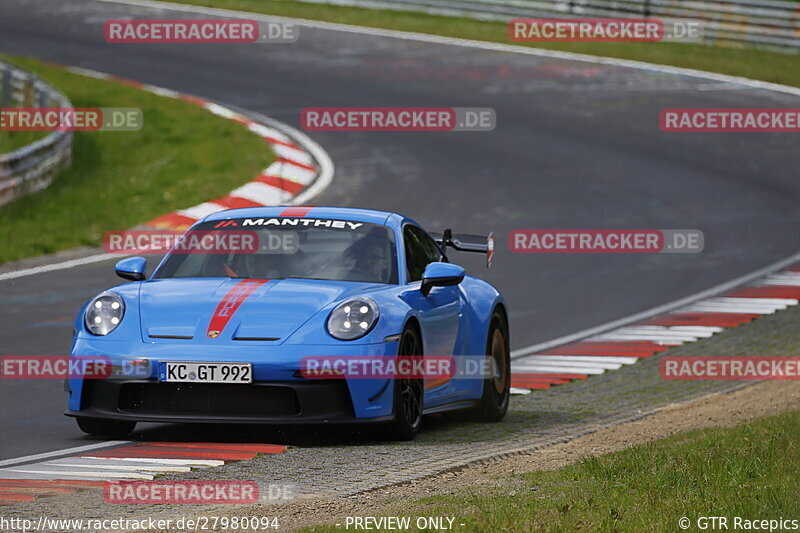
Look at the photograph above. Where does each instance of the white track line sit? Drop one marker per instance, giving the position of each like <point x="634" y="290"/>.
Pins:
<point x="58" y="266"/>
<point x="5" y="474"/>
<point x="753" y="301"/>
<point x="578" y="359"/>
<point x="530" y="369"/>
<point x="159" y="461"/>
<point x="625" y="337"/>
<point x="64" y="452"/>
<point x="732" y="308"/>
<point x="694" y="331"/>
<point x="780" y="279"/>
<point x="466" y="43"/>
<point x="77" y="462"/>
<point x="95" y="474"/>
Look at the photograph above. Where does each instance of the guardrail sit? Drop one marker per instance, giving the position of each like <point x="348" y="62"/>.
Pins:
<point x="32" y="167"/>
<point x="769" y="24"/>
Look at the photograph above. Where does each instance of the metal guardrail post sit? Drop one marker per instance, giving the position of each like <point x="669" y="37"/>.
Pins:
<point x="766" y="24"/>
<point x="6" y="87"/>
<point x="33" y="167"/>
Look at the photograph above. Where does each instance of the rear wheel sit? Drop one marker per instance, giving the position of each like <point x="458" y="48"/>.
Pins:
<point x="496" y="388"/>
<point x="102" y="427"/>
<point x="407" y="392"/>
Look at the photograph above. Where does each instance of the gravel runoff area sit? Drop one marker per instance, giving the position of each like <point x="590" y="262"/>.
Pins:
<point x="347" y="472"/>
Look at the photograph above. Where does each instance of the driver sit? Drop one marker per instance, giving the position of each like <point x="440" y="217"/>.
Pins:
<point x="372" y="259"/>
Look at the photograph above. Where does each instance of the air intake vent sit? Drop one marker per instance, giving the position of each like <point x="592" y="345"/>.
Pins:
<point x="256" y="338"/>
<point x="171" y="337"/>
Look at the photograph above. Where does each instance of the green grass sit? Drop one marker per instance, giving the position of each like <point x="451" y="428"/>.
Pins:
<point x="748" y="471"/>
<point x="757" y="64"/>
<point x="12" y="140"/>
<point x="182" y="156"/>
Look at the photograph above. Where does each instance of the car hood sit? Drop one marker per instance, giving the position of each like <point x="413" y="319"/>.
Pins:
<point x="217" y="310"/>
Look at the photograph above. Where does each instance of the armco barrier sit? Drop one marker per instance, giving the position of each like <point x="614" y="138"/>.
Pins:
<point x="769" y="24"/>
<point x="32" y="167"/>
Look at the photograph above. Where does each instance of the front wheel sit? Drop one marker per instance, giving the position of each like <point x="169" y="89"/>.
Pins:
<point x="102" y="427"/>
<point x="496" y="388"/>
<point x="407" y="392"/>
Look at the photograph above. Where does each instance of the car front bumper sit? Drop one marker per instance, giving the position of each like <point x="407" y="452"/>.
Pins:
<point x="278" y="394"/>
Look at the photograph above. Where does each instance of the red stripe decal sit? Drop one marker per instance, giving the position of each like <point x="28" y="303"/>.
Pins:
<point x="230" y="303"/>
<point x="298" y="211"/>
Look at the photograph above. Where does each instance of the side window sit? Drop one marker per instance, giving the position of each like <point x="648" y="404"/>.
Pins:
<point x="421" y="250"/>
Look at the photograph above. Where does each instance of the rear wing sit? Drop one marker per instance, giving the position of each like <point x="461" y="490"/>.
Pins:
<point x="482" y="244"/>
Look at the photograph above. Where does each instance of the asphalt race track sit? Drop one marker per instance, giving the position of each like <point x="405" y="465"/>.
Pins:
<point x="577" y="145"/>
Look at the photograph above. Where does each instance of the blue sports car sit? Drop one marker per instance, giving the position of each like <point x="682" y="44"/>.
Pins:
<point x="219" y="335"/>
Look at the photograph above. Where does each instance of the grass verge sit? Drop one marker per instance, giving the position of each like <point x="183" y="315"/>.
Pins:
<point x="12" y="140"/>
<point x="182" y="156"/>
<point x="756" y="64"/>
<point x="747" y="471"/>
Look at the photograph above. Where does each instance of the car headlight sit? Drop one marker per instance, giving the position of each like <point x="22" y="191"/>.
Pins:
<point x="104" y="313"/>
<point x="353" y="319"/>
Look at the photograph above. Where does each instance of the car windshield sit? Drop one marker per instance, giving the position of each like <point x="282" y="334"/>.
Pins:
<point x="283" y="247"/>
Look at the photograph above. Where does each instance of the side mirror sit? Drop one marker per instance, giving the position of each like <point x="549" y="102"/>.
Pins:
<point x="441" y="275"/>
<point x="132" y="268"/>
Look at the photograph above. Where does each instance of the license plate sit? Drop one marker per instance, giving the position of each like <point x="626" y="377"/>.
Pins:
<point x="206" y="372"/>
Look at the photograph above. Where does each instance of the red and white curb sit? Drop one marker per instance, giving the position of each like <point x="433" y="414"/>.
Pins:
<point x="301" y="168"/>
<point x="133" y="462"/>
<point x="612" y="349"/>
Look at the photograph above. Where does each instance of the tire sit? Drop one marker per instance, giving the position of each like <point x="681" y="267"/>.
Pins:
<point x="102" y="427"/>
<point x="408" y="393"/>
<point x="496" y="389"/>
